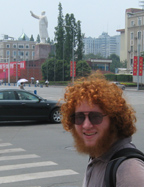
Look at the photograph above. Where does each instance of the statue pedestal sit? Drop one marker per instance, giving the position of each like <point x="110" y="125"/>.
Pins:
<point x="42" y="51"/>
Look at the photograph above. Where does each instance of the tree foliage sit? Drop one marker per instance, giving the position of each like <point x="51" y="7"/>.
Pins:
<point x="68" y="40"/>
<point x="38" y="38"/>
<point x="115" y="62"/>
<point x="31" y="38"/>
<point x="52" y="69"/>
<point x="59" y="34"/>
<point x="80" y="45"/>
<point x="82" y="69"/>
<point x="91" y="55"/>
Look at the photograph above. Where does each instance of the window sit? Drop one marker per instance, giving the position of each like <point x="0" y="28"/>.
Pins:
<point x="27" y="46"/>
<point x="33" y="46"/>
<point x="7" y="95"/>
<point x="14" y="53"/>
<point x="22" y="53"/>
<point x="19" y="53"/>
<point x="26" y="96"/>
<point x="132" y="36"/>
<point x="8" y="46"/>
<point x="131" y="61"/>
<point x="131" y="48"/>
<point x="7" y="53"/>
<point x="139" y="21"/>
<point x="21" y="46"/>
<point x="27" y="53"/>
<point x="33" y="53"/>
<point x="132" y="23"/>
<point x="14" y="46"/>
<point x="139" y="35"/>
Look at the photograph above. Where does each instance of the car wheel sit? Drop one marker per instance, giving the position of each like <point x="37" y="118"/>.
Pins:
<point x="55" y="116"/>
<point x="123" y="88"/>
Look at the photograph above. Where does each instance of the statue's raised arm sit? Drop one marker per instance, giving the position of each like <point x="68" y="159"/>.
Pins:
<point x="35" y="16"/>
<point x="43" y="24"/>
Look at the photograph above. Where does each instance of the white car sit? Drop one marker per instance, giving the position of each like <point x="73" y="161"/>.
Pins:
<point x="122" y="86"/>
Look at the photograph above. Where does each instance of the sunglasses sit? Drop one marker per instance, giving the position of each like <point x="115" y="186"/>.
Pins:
<point x="95" y="118"/>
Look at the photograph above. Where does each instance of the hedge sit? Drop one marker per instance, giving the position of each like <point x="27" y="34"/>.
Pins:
<point x="119" y="78"/>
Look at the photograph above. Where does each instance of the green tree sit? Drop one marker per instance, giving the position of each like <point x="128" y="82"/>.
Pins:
<point x="91" y="55"/>
<point x="115" y="62"/>
<point x="70" y="33"/>
<point x="52" y="69"/>
<point x="123" y="64"/>
<point x="38" y="38"/>
<point x="59" y="34"/>
<point x="31" y="38"/>
<point x="80" y="44"/>
<point x="82" y="68"/>
<point x="68" y="39"/>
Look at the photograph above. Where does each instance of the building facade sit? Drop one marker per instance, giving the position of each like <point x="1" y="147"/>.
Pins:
<point x="104" y="45"/>
<point x="100" y="64"/>
<point x="132" y="37"/>
<point x="17" y="50"/>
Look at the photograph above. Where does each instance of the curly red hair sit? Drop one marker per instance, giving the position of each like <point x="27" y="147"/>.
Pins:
<point x="97" y="90"/>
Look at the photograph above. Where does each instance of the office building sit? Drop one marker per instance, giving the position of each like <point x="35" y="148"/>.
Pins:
<point x="104" y="45"/>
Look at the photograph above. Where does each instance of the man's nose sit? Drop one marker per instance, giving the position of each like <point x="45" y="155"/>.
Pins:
<point x="87" y="124"/>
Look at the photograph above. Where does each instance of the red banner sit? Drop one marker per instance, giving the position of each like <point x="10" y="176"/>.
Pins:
<point x="18" y="69"/>
<point x="14" y="69"/>
<point x="71" y="68"/>
<point x="135" y="66"/>
<point x="18" y="66"/>
<point x="140" y="66"/>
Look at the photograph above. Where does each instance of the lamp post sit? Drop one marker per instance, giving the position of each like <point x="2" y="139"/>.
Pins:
<point x="138" y="50"/>
<point x="73" y="59"/>
<point x="72" y="53"/>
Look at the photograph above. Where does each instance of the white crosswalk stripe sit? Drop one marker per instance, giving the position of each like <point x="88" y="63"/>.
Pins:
<point x="18" y="157"/>
<point x="27" y="176"/>
<point x="5" y="144"/>
<point x="27" y="165"/>
<point x="11" y="150"/>
<point x="39" y="175"/>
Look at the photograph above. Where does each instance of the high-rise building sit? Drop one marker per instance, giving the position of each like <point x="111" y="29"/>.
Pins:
<point x="104" y="45"/>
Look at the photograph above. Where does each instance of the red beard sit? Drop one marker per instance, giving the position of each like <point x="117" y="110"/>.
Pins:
<point x="102" y="144"/>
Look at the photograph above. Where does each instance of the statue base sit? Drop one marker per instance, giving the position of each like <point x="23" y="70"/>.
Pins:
<point x="42" y="51"/>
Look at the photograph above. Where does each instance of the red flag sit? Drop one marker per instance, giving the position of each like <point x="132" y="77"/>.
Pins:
<point x="140" y="66"/>
<point x="71" y="68"/>
<point x="135" y="66"/>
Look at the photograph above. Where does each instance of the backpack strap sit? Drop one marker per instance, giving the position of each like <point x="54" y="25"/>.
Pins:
<point x="116" y="160"/>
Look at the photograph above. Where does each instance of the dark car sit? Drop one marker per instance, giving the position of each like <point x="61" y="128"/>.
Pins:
<point x="16" y="104"/>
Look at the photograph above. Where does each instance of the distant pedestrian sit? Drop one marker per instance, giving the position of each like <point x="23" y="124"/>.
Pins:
<point x="22" y="85"/>
<point x="37" y="82"/>
<point x="46" y="83"/>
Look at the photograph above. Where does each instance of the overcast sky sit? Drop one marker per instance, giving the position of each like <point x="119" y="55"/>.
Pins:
<point x="95" y="16"/>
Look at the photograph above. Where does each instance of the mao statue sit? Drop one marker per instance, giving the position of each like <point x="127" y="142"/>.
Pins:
<point x="43" y="25"/>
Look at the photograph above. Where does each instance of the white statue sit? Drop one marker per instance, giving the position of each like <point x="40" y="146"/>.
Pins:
<point x="43" y="25"/>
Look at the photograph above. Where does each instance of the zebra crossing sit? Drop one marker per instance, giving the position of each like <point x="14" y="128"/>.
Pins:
<point x="5" y="148"/>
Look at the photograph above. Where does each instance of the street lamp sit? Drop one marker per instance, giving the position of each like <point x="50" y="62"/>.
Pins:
<point x="72" y="53"/>
<point x="138" y="50"/>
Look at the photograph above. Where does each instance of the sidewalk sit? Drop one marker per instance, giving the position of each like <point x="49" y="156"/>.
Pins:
<point x="133" y="89"/>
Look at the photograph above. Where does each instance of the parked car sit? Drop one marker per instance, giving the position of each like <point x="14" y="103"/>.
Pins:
<point x="16" y="104"/>
<point x="122" y="86"/>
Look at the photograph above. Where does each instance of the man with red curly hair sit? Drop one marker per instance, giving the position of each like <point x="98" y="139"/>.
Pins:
<point x="101" y="123"/>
